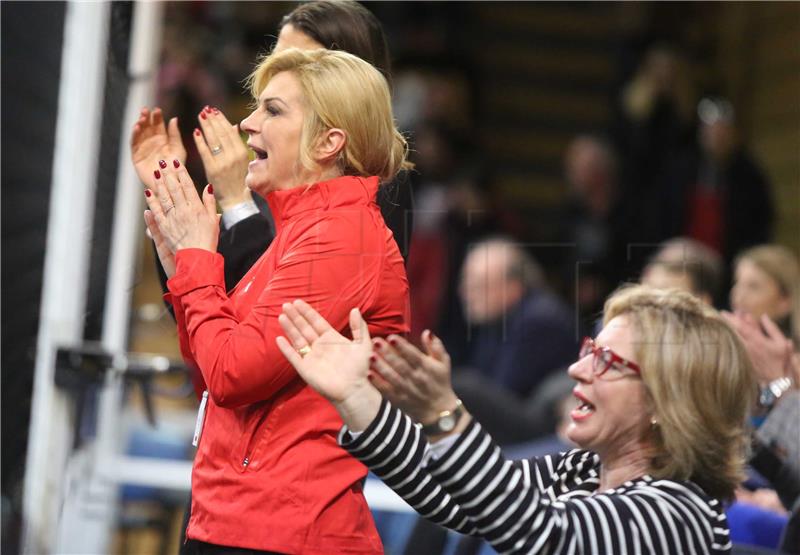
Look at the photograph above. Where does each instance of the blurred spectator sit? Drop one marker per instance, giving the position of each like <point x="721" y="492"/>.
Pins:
<point x="451" y="212"/>
<point x="717" y="193"/>
<point x="688" y="265"/>
<point x="767" y="282"/>
<point x="656" y="118"/>
<point x="519" y="331"/>
<point x="658" y="101"/>
<point x="596" y="220"/>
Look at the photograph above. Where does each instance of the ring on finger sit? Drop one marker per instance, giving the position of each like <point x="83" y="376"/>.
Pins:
<point x="216" y="150"/>
<point x="168" y="208"/>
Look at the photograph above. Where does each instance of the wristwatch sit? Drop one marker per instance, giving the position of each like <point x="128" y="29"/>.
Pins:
<point x="773" y="391"/>
<point x="446" y="422"/>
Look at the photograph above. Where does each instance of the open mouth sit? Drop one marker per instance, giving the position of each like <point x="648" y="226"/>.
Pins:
<point x="584" y="407"/>
<point x="260" y="154"/>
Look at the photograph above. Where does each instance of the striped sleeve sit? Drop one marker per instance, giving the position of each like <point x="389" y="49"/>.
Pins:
<point x="472" y="488"/>
<point x="393" y="448"/>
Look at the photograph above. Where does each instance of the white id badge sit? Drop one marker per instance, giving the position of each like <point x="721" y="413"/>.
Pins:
<point x="201" y="415"/>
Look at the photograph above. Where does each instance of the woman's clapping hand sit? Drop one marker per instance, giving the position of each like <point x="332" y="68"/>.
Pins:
<point x="331" y="364"/>
<point x="177" y="218"/>
<point x="345" y="371"/>
<point x="770" y="351"/>
<point x="152" y="141"/>
<point x="417" y="382"/>
<point x="224" y="156"/>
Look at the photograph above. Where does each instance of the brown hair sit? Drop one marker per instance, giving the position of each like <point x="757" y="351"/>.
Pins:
<point x="343" y="25"/>
<point x="699" y="382"/>
<point x="702" y="265"/>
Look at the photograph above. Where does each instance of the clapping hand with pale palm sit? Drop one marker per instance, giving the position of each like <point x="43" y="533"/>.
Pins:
<point x="152" y="140"/>
<point x="334" y="366"/>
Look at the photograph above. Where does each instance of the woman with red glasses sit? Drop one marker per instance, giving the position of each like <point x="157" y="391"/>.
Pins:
<point x="662" y="396"/>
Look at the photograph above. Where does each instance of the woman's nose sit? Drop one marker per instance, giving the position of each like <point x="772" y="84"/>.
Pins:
<point x="247" y="124"/>
<point x="581" y="369"/>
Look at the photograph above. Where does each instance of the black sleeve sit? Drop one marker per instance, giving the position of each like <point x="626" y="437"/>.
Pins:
<point x="397" y="207"/>
<point x="242" y="245"/>
<point x="162" y="278"/>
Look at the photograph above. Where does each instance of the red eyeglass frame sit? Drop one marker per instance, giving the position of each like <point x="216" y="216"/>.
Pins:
<point x="605" y="356"/>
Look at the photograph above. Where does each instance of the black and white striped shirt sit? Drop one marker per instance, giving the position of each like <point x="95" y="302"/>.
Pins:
<point x="544" y="505"/>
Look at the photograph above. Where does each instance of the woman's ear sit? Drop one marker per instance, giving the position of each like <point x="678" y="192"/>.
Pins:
<point x="330" y="145"/>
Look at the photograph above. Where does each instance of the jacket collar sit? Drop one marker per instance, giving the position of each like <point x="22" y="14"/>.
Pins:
<point x="346" y="190"/>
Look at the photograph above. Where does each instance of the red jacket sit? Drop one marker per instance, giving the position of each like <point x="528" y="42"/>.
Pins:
<point x="268" y="473"/>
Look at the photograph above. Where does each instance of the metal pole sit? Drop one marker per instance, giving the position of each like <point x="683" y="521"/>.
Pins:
<point x="69" y="228"/>
<point x="126" y="237"/>
<point x="91" y="507"/>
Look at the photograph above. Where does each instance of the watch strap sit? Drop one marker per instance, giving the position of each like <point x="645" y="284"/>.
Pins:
<point x="446" y="421"/>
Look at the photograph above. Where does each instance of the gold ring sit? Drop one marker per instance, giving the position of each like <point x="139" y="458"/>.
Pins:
<point x="304" y="350"/>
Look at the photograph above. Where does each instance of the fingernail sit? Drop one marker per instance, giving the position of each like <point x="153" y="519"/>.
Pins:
<point x="176" y="164"/>
<point x="157" y="174"/>
<point x="373" y="359"/>
<point x="203" y="115"/>
<point x="392" y="341"/>
<point x="147" y="193"/>
<point x="207" y="108"/>
<point x="162" y="164"/>
<point x="214" y="109"/>
<point x="197" y="131"/>
<point x="210" y="189"/>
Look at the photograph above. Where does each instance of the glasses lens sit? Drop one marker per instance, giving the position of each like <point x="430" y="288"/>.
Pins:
<point x="602" y="361"/>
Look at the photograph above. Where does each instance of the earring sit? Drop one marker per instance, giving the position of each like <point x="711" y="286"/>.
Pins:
<point x="653" y="422"/>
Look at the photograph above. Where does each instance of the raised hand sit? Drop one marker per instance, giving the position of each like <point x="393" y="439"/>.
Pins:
<point x="770" y="351"/>
<point x="417" y="382"/>
<point x="224" y="156"/>
<point x="331" y="364"/>
<point x="152" y="141"/>
<point x="182" y="220"/>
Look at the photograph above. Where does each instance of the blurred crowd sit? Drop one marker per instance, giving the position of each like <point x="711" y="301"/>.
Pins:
<point x="669" y="195"/>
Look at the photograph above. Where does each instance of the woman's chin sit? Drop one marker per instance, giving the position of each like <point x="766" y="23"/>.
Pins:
<point x="577" y="436"/>
<point x="255" y="185"/>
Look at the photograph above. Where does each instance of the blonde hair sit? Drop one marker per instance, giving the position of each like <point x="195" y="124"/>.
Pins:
<point x="780" y="264"/>
<point x="341" y="91"/>
<point x="699" y="381"/>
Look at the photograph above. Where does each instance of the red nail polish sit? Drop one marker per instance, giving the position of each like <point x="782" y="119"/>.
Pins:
<point x="157" y="174"/>
<point x="176" y="164"/>
<point x="162" y="164"/>
<point x="147" y="193"/>
<point x="203" y="115"/>
<point x="207" y="108"/>
<point x="210" y="189"/>
<point x="373" y="359"/>
<point x="393" y="342"/>
<point x="215" y="110"/>
<point x="197" y="131"/>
